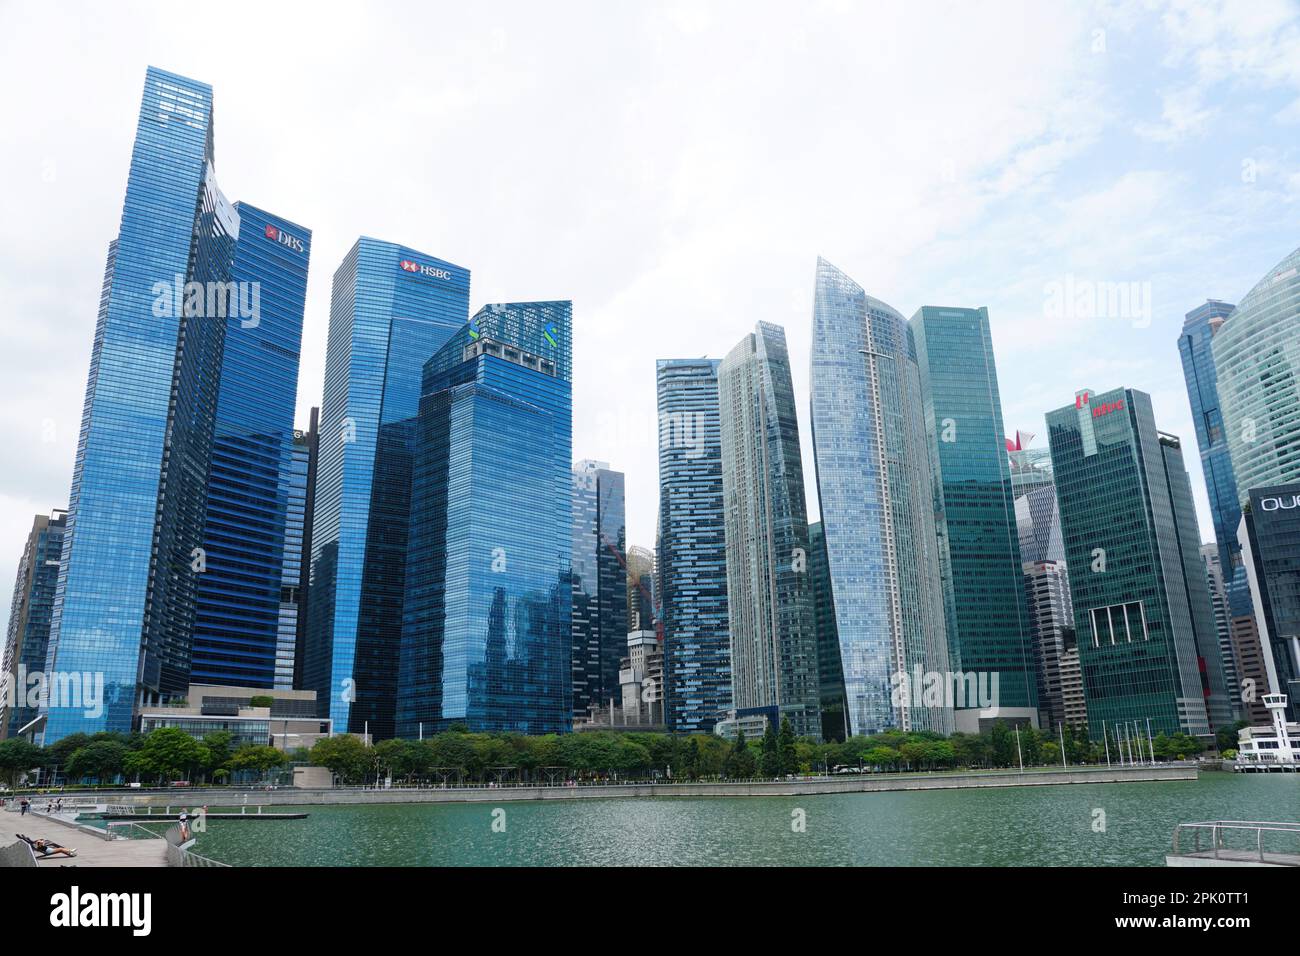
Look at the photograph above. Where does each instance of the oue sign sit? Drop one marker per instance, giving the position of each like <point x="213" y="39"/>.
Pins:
<point x="1279" y="504"/>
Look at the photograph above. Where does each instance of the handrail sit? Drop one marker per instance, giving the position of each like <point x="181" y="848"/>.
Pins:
<point x="1217" y="829"/>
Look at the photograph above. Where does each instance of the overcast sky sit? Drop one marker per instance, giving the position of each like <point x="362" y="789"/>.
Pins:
<point x="675" y="169"/>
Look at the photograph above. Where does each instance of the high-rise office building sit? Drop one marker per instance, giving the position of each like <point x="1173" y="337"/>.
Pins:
<point x="979" y="546"/>
<point x="28" y="637"/>
<point x="829" y="676"/>
<point x="391" y="309"/>
<point x="1257" y="366"/>
<point x="125" y="603"/>
<point x="769" y="588"/>
<point x="487" y="636"/>
<point x="692" y="563"/>
<point x="293" y="592"/>
<point x="877" y="510"/>
<point x="1223" y="623"/>
<point x="237" y="623"/>
<point x="311" y="445"/>
<point x="1143" y="617"/>
<point x="600" y="625"/>
<point x="1051" y="616"/>
<point x="1271" y="548"/>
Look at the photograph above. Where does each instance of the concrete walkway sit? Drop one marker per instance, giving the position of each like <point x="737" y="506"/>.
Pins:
<point x="91" y="850"/>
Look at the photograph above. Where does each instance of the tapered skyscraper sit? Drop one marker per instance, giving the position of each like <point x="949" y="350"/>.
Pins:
<point x="769" y="588"/>
<point x="600" y="606"/>
<point x="132" y="554"/>
<point x="873" y="480"/>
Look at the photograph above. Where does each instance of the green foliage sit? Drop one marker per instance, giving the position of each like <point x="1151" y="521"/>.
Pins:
<point x="101" y="759"/>
<point x="262" y="700"/>
<point x="257" y="757"/>
<point x="344" y="755"/>
<point x="168" y="753"/>
<point x="17" y="757"/>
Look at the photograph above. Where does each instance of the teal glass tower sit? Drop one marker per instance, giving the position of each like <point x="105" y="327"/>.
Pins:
<point x="125" y="600"/>
<point x="975" y="517"/>
<point x="486" y="632"/>
<point x="391" y="309"/>
<point x="769" y="588"/>
<point x="1148" y="646"/>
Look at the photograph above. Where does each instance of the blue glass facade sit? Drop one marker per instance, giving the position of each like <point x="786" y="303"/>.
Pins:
<point x="391" y="309"/>
<point x="600" y="587"/>
<point x="237" y="623"/>
<point x="28" y="638"/>
<point x="979" y="549"/>
<point x="487" y="626"/>
<point x="874" y="484"/>
<point x="124" y="606"/>
<point x="292" y="592"/>
<point x="769" y="588"/>
<point x="692" y="546"/>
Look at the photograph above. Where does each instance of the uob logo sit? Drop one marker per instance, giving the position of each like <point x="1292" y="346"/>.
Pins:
<point x="284" y="239"/>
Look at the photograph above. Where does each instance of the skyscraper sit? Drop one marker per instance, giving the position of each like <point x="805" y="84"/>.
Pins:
<point x="1257" y="366"/>
<point x="1271" y="547"/>
<point x="237" y="623"/>
<point x="125" y="603"/>
<point x="391" y="309"/>
<point x="873" y="480"/>
<point x="1143" y="617"/>
<point x="311" y="441"/>
<point x="487" y="637"/>
<point x="600" y="587"/>
<point x="641" y="598"/>
<point x="769" y="590"/>
<point x="1223" y="623"/>
<point x="829" y="676"/>
<point x="293" y="592"/>
<point x="28" y="638"/>
<point x="979" y="548"/>
<point x="692" y="546"/>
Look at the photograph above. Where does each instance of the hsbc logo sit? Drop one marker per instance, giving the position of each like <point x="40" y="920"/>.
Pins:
<point x="408" y="265"/>
<point x="276" y="234"/>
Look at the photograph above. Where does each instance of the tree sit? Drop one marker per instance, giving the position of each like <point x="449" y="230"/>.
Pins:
<point x="169" y="753"/>
<point x="257" y="757"/>
<point x="1226" y="737"/>
<point x="219" y="749"/>
<point x="17" y="756"/>
<point x="1003" y="743"/>
<point x="789" y="760"/>
<point x="344" y="755"/>
<point x="769" y="761"/>
<point x="101" y="759"/>
<point x="740" y="763"/>
<point x="262" y="700"/>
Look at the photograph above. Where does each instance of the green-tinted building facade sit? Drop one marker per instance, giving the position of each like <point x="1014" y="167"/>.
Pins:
<point x="1143" y="615"/>
<point x="975" y="515"/>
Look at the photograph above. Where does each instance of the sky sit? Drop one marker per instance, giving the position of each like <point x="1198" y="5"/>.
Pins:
<point x="675" y="169"/>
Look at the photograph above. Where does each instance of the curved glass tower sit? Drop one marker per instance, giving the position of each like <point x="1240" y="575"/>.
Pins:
<point x="1257" y="361"/>
<point x="873" y="479"/>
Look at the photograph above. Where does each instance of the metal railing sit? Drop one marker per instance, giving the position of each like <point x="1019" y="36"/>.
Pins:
<point x="1218" y="833"/>
<point x="130" y="831"/>
<point x="178" y="853"/>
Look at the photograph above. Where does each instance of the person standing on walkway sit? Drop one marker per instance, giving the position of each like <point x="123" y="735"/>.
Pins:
<point x="22" y="808"/>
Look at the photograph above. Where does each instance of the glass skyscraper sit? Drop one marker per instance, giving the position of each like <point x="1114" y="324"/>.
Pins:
<point x="829" y="675"/>
<point x="979" y="547"/>
<point x="1257" y="365"/>
<point x="391" y="309"/>
<point x="769" y="588"/>
<point x="692" y="546"/>
<point x="600" y="585"/>
<point x="28" y="637"/>
<point x="237" y="624"/>
<point x="1144" y="621"/>
<point x="125" y="601"/>
<point x="292" y="591"/>
<point x="486" y="639"/>
<point x="877" y="510"/>
<point x="1271" y="546"/>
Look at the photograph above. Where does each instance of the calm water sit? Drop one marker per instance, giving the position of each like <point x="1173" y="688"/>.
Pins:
<point x="1025" y="826"/>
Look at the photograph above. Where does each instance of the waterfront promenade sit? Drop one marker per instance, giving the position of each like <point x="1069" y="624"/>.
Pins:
<point x="92" y="849"/>
<point x="848" y="783"/>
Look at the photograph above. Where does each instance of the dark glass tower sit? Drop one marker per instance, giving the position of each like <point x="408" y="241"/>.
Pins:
<point x="1144" y="621"/>
<point x="600" y="588"/>
<point x="831" y="679"/>
<point x="487" y="637"/>
<point x="28" y="638"/>
<point x="769" y="589"/>
<point x="125" y="605"/>
<point x="975" y="517"/>
<point x="237" y="624"/>
<point x="692" y="546"/>
<point x="391" y="309"/>
<point x="1271" y="547"/>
